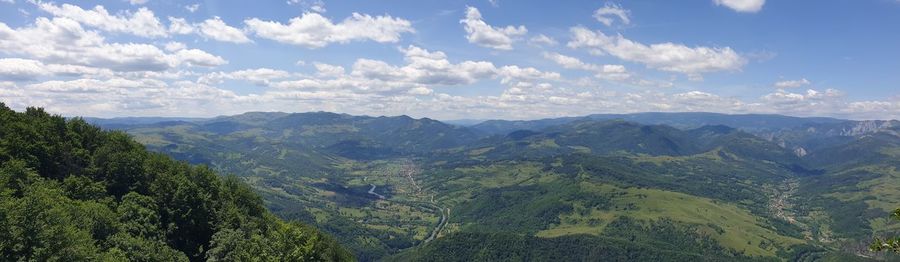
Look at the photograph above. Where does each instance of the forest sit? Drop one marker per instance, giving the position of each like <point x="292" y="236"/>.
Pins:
<point x="70" y="191"/>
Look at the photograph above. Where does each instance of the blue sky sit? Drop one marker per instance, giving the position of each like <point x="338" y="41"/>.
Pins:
<point x="452" y="59"/>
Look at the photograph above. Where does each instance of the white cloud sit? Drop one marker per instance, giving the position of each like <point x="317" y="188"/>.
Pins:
<point x="180" y="26"/>
<point x="483" y="34"/>
<point x="792" y="83"/>
<point x="317" y="6"/>
<point x="420" y="91"/>
<point x="197" y="57"/>
<point x="138" y="2"/>
<point x="782" y="96"/>
<point x="812" y="102"/>
<point x="192" y="8"/>
<point x="608" y="12"/>
<point x="17" y="69"/>
<point x="174" y="46"/>
<point x="516" y="75"/>
<point x="664" y="56"/>
<point x="313" y="30"/>
<point x="216" y="29"/>
<point x="423" y="68"/>
<point x="603" y="71"/>
<point x="64" y="41"/>
<point x="72" y="69"/>
<point x="326" y="70"/>
<point x="141" y="23"/>
<point x="258" y="76"/>
<point x="569" y="62"/>
<point x="93" y="85"/>
<point x="743" y="6"/>
<point x="542" y="39"/>
<point x="874" y="109"/>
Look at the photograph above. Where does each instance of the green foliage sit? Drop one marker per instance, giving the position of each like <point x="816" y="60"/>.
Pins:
<point x="473" y="246"/>
<point x="71" y="192"/>
<point x="526" y="209"/>
<point x="890" y="244"/>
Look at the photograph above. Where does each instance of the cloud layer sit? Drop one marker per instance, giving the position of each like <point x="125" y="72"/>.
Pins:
<point x="94" y="61"/>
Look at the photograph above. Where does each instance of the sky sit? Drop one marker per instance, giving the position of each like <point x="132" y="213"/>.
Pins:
<point x="453" y="59"/>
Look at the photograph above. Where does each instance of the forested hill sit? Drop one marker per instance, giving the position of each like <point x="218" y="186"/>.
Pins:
<point x="70" y="191"/>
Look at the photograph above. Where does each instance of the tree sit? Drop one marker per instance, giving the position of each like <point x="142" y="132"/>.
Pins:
<point x="889" y="244"/>
<point x="70" y="191"/>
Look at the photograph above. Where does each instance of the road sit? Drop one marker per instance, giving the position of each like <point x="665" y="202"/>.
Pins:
<point x="445" y="215"/>
<point x="409" y="170"/>
<point x="372" y="192"/>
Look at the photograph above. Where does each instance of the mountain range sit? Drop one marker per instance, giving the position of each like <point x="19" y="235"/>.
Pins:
<point x="672" y="186"/>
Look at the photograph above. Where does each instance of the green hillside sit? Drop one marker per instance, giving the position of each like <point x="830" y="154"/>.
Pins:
<point x="71" y="192"/>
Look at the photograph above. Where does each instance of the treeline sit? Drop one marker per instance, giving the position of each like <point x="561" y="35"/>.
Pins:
<point x="71" y="191"/>
<point x="624" y="239"/>
<point x="471" y="246"/>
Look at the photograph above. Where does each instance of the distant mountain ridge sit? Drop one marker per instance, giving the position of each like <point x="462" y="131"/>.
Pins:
<point x="682" y="120"/>
<point x="687" y="120"/>
<point x="801" y="135"/>
<point x="385" y="185"/>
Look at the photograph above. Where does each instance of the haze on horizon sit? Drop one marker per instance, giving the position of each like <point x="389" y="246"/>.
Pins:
<point x="496" y="59"/>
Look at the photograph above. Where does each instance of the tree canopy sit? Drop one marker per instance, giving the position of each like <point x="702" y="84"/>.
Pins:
<point x="71" y="191"/>
<point x="889" y="244"/>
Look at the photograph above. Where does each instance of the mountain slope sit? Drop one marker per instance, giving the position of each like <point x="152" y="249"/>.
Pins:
<point x="70" y="191"/>
<point x="689" y="120"/>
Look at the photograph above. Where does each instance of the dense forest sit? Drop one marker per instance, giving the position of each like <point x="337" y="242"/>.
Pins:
<point x="70" y="191"/>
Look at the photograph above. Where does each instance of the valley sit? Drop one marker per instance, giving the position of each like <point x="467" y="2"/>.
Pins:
<point x="385" y="186"/>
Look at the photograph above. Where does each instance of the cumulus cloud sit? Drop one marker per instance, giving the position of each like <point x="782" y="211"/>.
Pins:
<point x="67" y="64"/>
<point x="258" y="76"/>
<point x="811" y="102"/>
<point x="317" y="6"/>
<point x="874" y="109"/>
<point x="174" y="46"/>
<point x="141" y="23"/>
<point x="542" y="39"/>
<point x="664" y="56"/>
<point x="18" y="69"/>
<point x="64" y="41"/>
<point x="326" y="70"/>
<point x="743" y="6"/>
<point x="192" y="8"/>
<point x="216" y="29"/>
<point x="792" y="83"/>
<point x="483" y="34"/>
<point x="114" y="96"/>
<point x="423" y="70"/>
<point x="197" y="57"/>
<point x="94" y="85"/>
<point x="312" y="30"/>
<point x="180" y="26"/>
<point x="609" y="72"/>
<point x="609" y="12"/>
